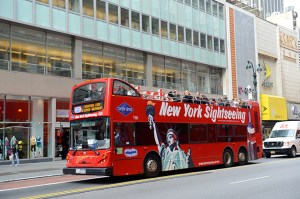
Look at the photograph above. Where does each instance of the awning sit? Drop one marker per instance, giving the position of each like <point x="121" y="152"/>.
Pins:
<point x="273" y="107"/>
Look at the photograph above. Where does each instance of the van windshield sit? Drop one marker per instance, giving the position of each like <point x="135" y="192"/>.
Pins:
<point x="282" y="133"/>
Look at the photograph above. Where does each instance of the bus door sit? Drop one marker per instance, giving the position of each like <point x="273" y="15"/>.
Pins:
<point x="126" y="156"/>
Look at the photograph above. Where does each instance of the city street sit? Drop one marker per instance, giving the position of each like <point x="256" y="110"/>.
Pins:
<point x="266" y="178"/>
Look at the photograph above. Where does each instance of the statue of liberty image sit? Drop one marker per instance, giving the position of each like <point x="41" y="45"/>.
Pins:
<point x="172" y="157"/>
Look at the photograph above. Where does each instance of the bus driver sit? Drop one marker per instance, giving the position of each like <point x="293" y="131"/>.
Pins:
<point x="172" y="156"/>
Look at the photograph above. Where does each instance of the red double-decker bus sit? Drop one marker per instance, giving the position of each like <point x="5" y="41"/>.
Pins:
<point x="116" y="131"/>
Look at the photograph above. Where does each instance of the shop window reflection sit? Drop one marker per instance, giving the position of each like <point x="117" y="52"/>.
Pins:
<point x="4" y="46"/>
<point x="92" y="60"/>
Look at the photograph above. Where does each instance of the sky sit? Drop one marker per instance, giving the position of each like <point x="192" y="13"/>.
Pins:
<point x="295" y="3"/>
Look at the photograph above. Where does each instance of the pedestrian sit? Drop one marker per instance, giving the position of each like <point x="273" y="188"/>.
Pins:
<point x="15" y="153"/>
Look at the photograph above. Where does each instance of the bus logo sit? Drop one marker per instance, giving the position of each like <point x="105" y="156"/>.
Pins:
<point x="130" y="152"/>
<point x="77" y="109"/>
<point x="124" y="109"/>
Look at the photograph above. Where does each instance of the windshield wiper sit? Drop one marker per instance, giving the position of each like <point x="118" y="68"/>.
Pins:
<point x="96" y="152"/>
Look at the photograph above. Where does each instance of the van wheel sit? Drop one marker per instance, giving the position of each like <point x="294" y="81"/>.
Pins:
<point x="243" y="157"/>
<point x="293" y="152"/>
<point x="227" y="158"/>
<point x="268" y="155"/>
<point x="152" y="166"/>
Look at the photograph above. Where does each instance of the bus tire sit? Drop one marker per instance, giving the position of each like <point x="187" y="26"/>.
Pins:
<point x="293" y="152"/>
<point x="227" y="158"/>
<point x="152" y="166"/>
<point x="242" y="157"/>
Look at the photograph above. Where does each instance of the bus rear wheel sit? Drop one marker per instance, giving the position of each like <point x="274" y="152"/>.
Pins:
<point x="228" y="158"/>
<point x="152" y="166"/>
<point x="243" y="157"/>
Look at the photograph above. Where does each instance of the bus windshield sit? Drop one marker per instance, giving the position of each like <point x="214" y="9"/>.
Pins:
<point x="91" y="134"/>
<point x="89" y="92"/>
<point x="282" y="133"/>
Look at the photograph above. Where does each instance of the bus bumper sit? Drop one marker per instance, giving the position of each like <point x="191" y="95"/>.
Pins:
<point x="88" y="171"/>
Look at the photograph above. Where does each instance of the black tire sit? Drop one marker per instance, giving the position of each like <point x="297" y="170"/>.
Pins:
<point x="228" y="158"/>
<point x="268" y="155"/>
<point x="293" y="152"/>
<point x="152" y="166"/>
<point x="243" y="157"/>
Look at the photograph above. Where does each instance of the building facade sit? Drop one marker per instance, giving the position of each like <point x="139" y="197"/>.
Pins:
<point x="47" y="46"/>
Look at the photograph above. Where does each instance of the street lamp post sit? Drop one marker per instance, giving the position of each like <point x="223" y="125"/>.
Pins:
<point x="254" y="69"/>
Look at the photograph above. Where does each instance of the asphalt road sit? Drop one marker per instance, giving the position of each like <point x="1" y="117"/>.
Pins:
<point x="274" y="178"/>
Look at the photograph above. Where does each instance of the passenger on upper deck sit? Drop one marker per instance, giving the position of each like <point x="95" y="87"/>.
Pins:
<point x="197" y="98"/>
<point x="187" y="98"/>
<point x="120" y="90"/>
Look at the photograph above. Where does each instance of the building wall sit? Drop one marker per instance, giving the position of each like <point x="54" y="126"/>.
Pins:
<point x="290" y="65"/>
<point x="268" y="49"/>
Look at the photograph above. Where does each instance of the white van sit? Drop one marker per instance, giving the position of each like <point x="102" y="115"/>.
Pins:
<point x="283" y="139"/>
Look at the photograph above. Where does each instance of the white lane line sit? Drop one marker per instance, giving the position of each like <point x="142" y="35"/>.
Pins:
<point x="249" y="179"/>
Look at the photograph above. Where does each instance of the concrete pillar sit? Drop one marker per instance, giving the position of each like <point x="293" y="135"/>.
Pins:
<point x="77" y="58"/>
<point x="148" y="70"/>
<point x="51" y="127"/>
<point x="37" y="125"/>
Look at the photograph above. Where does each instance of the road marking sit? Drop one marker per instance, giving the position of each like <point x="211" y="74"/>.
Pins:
<point x="249" y="180"/>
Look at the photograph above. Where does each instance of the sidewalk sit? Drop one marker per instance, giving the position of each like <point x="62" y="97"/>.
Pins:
<point x="31" y="170"/>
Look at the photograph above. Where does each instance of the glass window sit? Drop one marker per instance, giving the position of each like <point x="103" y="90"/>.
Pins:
<point x="209" y="42"/>
<point x="135" y="68"/>
<point x="164" y="29"/>
<point x="88" y="7"/>
<point x="216" y="83"/>
<point x="215" y="8"/>
<point x="181" y="1"/>
<point x="59" y="3"/>
<point x="155" y="26"/>
<point x="188" y="2"/>
<point x="92" y="60"/>
<point x="180" y="34"/>
<point x="124" y="17"/>
<point x="113" y="14"/>
<point x="158" y="71"/>
<point x="196" y="38"/>
<point x="145" y="23"/>
<point x="222" y="46"/>
<point x="60" y="55"/>
<point x="24" y="59"/>
<point x="203" y="40"/>
<point x="195" y="3"/>
<point x="74" y="6"/>
<point x="101" y="9"/>
<point x="221" y="11"/>
<point x="202" y="74"/>
<point x="198" y="133"/>
<point x="188" y="75"/>
<point x="135" y="20"/>
<point x="188" y="34"/>
<point x="216" y="44"/>
<point x="202" y="5"/>
<point x="114" y="62"/>
<point x="173" y="35"/>
<point x="43" y="1"/>
<point x="4" y="46"/>
<point x="172" y="74"/>
<point x="208" y="6"/>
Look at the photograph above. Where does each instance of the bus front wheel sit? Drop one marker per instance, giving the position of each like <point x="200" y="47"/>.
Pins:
<point x="152" y="166"/>
<point x="228" y="158"/>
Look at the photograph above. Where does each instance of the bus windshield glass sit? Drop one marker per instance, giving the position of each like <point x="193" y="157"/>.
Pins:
<point x="89" y="92"/>
<point x="91" y="134"/>
<point x="282" y="133"/>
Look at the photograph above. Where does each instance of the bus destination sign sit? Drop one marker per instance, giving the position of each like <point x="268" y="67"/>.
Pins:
<point x="87" y="108"/>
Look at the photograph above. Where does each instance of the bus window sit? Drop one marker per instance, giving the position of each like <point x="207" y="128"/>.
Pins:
<point x="212" y="133"/>
<point x="120" y="88"/>
<point x="240" y="133"/>
<point x="225" y="133"/>
<point x="198" y="133"/>
<point x="144" y="135"/>
<point x="124" y="134"/>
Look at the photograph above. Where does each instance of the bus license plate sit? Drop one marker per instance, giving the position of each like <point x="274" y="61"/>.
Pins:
<point x="81" y="171"/>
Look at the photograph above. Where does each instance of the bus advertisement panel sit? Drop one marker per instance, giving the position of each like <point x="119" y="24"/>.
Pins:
<point x="117" y="131"/>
